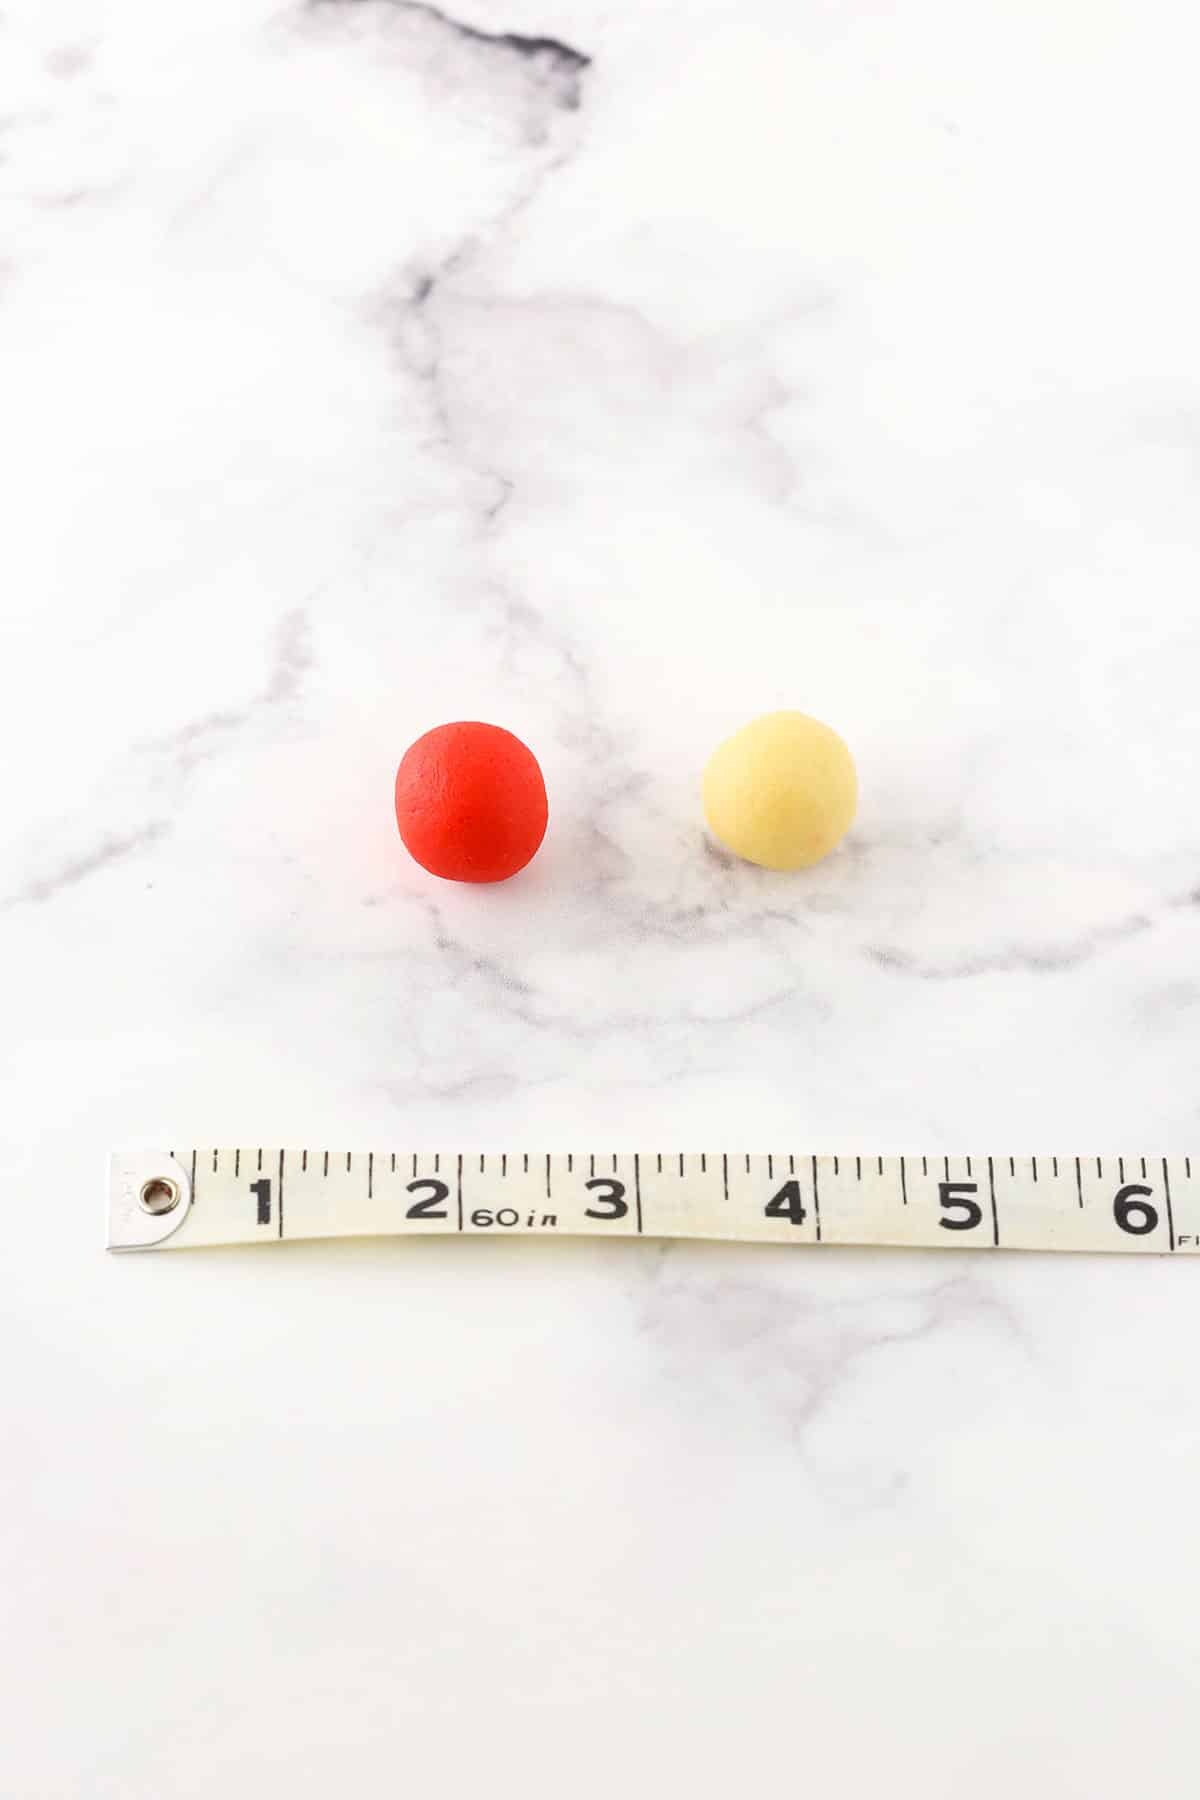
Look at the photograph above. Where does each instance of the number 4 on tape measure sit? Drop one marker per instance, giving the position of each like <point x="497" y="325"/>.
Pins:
<point x="187" y="1199"/>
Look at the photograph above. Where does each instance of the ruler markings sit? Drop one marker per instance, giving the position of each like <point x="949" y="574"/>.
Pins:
<point x="324" y="1194"/>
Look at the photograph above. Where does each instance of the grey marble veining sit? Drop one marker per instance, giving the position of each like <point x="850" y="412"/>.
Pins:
<point x="616" y="372"/>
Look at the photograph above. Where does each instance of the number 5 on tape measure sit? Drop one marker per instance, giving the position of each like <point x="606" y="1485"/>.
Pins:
<point x="187" y="1199"/>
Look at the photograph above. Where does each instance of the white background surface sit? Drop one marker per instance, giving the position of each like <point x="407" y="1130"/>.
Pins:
<point x="359" y="372"/>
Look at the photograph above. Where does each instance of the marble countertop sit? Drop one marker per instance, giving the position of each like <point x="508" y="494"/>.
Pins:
<point x="615" y="370"/>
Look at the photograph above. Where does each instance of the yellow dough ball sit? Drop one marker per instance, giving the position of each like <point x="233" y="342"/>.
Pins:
<point x="781" y="792"/>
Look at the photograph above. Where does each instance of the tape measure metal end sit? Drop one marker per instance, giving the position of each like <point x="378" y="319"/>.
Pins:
<point x="149" y="1194"/>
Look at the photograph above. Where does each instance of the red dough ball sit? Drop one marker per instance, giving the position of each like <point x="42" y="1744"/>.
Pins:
<point x="471" y="802"/>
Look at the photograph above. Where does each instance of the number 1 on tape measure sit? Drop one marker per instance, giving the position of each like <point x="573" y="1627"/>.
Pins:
<point x="189" y="1199"/>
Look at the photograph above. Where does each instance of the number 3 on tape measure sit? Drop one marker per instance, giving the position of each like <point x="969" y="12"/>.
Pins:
<point x="609" y="1197"/>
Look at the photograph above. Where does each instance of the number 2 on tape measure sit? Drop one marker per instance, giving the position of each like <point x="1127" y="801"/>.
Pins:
<point x="433" y="1205"/>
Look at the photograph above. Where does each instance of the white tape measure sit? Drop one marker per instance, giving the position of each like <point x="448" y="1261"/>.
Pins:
<point x="201" y="1197"/>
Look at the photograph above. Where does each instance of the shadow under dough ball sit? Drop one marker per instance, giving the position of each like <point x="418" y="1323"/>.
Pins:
<point x="471" y="802"/>
<point x="781" y="792"/>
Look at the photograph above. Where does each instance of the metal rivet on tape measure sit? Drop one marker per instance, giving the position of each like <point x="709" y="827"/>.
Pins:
<point x="192" y="1198"/>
